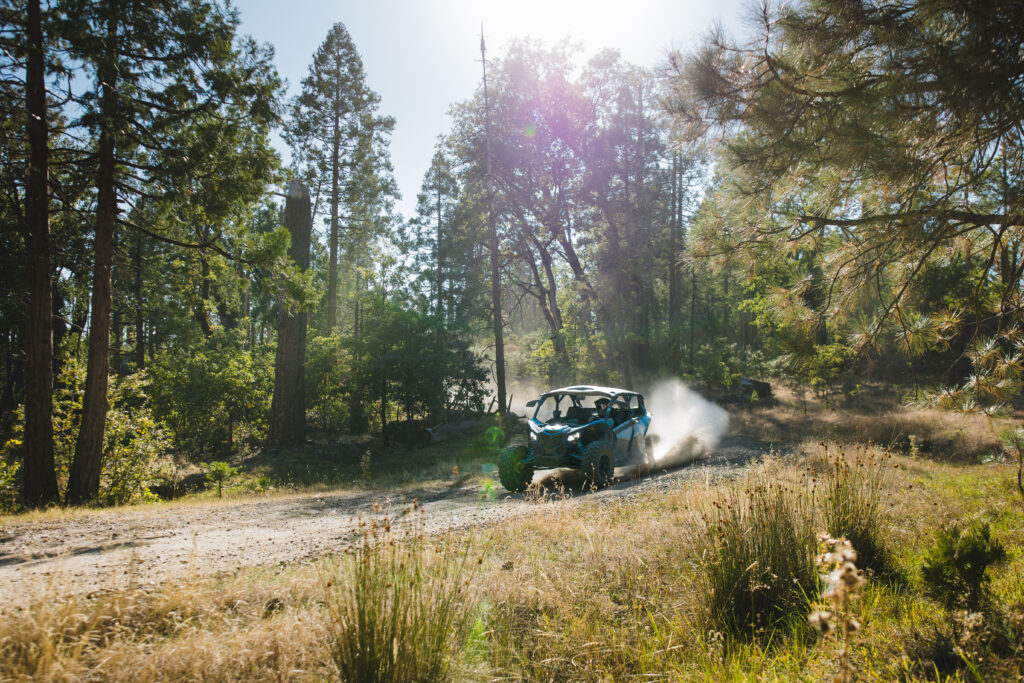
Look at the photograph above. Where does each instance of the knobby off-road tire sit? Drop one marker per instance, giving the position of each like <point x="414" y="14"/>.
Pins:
<point x="515" y="474"/>
<point x="598" y="463"/>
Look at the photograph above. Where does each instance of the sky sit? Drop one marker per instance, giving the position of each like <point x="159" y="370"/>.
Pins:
<point x="421" y="56"/>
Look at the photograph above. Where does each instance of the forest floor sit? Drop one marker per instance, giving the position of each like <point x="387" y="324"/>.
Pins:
<point x="112" y="549"/>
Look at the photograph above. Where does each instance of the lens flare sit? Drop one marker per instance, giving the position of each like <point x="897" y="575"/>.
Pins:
<point x="530" y="131"/>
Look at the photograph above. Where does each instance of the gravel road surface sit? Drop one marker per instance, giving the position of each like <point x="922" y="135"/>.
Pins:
<point x="145" y="545"/>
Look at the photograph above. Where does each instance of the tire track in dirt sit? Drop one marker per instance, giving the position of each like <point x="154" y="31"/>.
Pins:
<point x="110" y="549"/>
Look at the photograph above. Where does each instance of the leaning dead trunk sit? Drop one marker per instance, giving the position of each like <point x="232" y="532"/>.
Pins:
<point x="287" y="410"/>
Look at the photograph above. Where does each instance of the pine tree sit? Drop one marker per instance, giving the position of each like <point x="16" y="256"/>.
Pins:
<point x="336" y="136"/>
<point x="887" y="134"/>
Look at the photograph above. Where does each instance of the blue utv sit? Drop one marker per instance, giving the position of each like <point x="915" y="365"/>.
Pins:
<point x="591" y="429"/>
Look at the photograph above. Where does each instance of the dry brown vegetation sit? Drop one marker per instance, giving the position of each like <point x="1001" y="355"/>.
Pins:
<point x="883" y="420"/>
<point x="613" y="591"/>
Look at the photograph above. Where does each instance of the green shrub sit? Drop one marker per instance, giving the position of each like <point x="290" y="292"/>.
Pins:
<point x="850" y="504"/>
<point x="1013" y="446"/>
<point x="399" y="611"/>
<point x="133" y="438"/>
<point x="8" y="478"/>
<point x="134" y="441"/>
<point x="213" y="398"/>
<point x="955" y="568"/>
<point x="218" y="472"/>
<point x="328" y="371"/>
<point x="759" y="570"/>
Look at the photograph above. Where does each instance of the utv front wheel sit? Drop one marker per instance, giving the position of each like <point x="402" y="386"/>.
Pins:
<point x="515" y="474"/>
<point x="597" y="463"/>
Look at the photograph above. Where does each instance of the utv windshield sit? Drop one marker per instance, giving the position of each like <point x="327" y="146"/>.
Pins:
<point x="571" y="409"/>
<point x="552" y="409"/>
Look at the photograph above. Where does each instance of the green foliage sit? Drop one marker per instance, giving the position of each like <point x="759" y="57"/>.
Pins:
<point x="1013" y="445"/>
<point x="822" y="367"/>
<point x="401" y="357"/>
<point x="217" y="473"/>
<point x="67" y="408"/>
<point x="211" y="396"/>
<point x="822" y="166"/>
<point x="720" y="365"/>
<point x="398" y="611"/>
<point x="759" y="561"/>
<point x="955" y="568"/>
<point x="8" y="476"/>
<point x="134" y="442"/>
<point x="133" y="438"/>
<point x="328" y="379"/>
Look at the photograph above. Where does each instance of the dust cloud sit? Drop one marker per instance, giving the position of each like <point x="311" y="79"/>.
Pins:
<point x="684" y="425"/>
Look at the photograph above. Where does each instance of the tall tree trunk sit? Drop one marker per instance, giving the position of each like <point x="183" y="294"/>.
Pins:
<point x="355" y="305"/>
<point x="287" y="409"/>
<point x="693" y="308"/>
<point x="440" y="257"/>
<point x="140" y="318"/>
<point x="492" y="232"/>
<point x="7" y="401"/>
<point x="674" y="279"/>
<point x="200" y="313"/>
<point x="247" y="312"/>
<point x="383" y="405"/>
<point x="332" y="273"/>
<point x="40" y="478"/>
<point x="84" y="479"/>
<point x="116" y="328"/>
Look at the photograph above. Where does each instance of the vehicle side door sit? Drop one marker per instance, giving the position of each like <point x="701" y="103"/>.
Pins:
<point x="622" y="415"/>
<point x="643" y="419"/>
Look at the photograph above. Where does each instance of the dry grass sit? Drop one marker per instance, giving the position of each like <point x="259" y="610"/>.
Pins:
<point x="598" y="591"/>
<point x="882" y="421"/>
<point x="616" y="591"/>
<point x="250" y="626"/>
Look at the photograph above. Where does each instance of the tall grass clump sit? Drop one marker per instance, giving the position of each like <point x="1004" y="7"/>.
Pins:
<point x="759" y="568"/>
<point x="850" y="504"/>
<point x="399" y="609"/>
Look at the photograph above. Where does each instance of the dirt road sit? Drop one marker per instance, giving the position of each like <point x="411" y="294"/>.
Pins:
<point x="145" y="545"/>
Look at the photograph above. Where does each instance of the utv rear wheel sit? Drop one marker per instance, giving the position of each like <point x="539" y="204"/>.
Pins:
<point x="515" y="474"/>
<point x="597" y="463"/>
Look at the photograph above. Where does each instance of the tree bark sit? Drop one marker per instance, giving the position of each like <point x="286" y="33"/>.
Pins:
<point x="115" y="333"/>
<point x="492" y="233"/>
<point x="140" y="319"/>
<point x="693" y="309"/>
<point x="287" y="410"/>
<point x="674" y="279"/>
<point x="40" y="478"/>
<point x="200" y="313"/>
<point x="84" y="479"/>
<point x="332" y="273"/>
<point x="440" y="256"/>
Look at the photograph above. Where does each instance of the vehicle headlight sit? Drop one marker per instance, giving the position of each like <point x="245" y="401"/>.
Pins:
<point x="533" y="436"/>
<point x="574" y="437"/>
